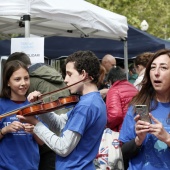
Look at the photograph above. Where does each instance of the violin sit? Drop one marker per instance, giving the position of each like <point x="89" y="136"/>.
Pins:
<point x="39" y="107"/>
<point x="50" y="106"/>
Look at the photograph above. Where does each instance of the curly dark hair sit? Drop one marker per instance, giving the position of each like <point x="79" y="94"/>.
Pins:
<point x="88" y="61"/>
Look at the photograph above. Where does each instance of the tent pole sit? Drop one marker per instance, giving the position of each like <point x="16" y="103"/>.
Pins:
<point x="26" y="19"/>
<point x="126" y="58"/>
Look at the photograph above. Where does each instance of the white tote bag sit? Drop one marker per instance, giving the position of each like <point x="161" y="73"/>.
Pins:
<point x="109" y="156"/>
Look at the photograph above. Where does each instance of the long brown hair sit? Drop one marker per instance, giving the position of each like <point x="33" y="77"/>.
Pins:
<point x="148" y="94"/>
<point x="102" y="75"/>
<point x="8" y="70"/>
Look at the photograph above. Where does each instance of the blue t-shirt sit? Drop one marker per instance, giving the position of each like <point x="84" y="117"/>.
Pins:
<point x="18" y="150"/>
<point x="88" y="118"/>
<point x="154" y="154"/>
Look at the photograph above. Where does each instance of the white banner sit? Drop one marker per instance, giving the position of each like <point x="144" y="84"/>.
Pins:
<point x="33" y="47"/>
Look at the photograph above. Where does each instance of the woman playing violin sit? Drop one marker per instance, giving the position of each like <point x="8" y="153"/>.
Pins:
<point x="18" y="143"/>
<point x="82" y="127"/>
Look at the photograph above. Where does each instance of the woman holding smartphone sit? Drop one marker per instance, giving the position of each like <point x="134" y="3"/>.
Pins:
<point x="145" y="144"/>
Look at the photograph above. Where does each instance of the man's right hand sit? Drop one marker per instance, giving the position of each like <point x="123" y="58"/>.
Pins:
<point x="34" y="96"/>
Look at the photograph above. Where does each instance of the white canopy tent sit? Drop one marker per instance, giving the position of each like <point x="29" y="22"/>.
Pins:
<point x="73" y="18"/>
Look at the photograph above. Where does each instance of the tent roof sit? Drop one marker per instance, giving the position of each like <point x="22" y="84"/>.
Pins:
<point x="138" y="42"/>
<point x="73" y="18"/>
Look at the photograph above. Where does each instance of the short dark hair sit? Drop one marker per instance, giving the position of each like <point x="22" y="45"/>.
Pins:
<point x="8" y="70"/>
<point x="116" y="73"/>
<point x="19" y="56"/>
<point x="88" y="61"/>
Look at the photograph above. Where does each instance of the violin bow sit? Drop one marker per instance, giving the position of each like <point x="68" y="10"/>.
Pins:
<point x="40" y="101"/>
<point x="45" y="95"/>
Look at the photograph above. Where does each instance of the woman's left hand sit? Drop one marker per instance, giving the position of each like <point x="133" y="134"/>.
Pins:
<point x="158" y="130"/>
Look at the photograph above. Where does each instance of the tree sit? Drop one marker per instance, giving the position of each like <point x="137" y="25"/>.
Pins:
<point x="7" y="36"/>
<point x="155" y="12"/>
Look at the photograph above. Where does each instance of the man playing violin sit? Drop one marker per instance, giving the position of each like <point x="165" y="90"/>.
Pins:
<point x="82" y="127"/>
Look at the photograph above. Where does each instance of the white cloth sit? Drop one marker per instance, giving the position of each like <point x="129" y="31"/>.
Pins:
<point x="139" y="80"/>
<point x="62" y="146"/>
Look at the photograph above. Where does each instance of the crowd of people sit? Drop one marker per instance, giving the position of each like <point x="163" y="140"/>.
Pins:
<point x="69" y="138"/>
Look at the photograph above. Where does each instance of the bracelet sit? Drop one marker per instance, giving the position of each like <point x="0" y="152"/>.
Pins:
<point x="1" y="132"/>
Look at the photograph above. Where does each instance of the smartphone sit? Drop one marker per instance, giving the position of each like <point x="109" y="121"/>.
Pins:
<point x="142" y="110"/>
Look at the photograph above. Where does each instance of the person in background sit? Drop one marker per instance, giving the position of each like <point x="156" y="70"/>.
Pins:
<point x="132" y="74"/>
<point x="44" y="78"/>
<point x="83" y="126"/>
<point x="147" y="144"/>
<point x="108" y="61"/>
<point x="18" y="144"/>
<point x="118" y="97"/>
<point x="102" y="76"/>
<point x="140" y="63"/>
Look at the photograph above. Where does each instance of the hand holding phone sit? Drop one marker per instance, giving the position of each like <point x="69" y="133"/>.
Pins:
<point x="143" y="112"/>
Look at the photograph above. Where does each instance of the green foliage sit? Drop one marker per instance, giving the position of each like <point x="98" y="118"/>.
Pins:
<point x="7" y="36"/>
<point x="155" y="12"/>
